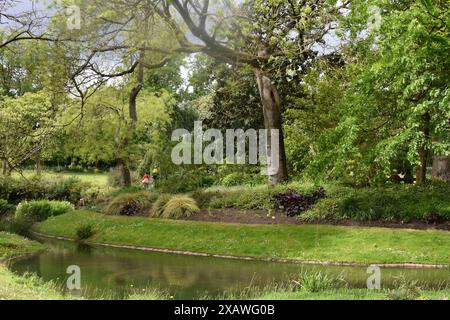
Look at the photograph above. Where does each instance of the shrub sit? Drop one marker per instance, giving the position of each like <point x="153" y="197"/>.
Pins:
<point x="314" y="282"/>
<point x="5" y="207"/>
<point x="40" y="210"/>
<point x="9" y="188"/>
<point x="12" y="225"/>
<point x="84" y="231"/>
<point x="185" y="181"/>
<point x="66" y="189"/>
<point x="239" y="179"/>
<point x="233" y="179"/>
<point x="294" y="203"/>
<point x="130" y="189"/>
<point x="129" y="204"/>
<point x="59" y="188"/>
<point x="179" y="207"/>
<point x="158" y="206"/>
<point x="404" y="290"/>
<point x="405" y="203"/>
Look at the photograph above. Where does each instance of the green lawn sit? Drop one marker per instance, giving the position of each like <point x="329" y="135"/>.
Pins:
<point x="14" y="287"/>
<point x="12" y="245"/>
<point x="302" y="242"/>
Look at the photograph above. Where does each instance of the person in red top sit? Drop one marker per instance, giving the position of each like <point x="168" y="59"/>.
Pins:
<point x="146" y="181"/>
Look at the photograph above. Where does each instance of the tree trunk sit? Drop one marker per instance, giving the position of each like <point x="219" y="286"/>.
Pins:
<point x="271" y="103"/>
<point x="441" y="168"/>
<point x="4" y="167"/>
<point x="135" y="92"/>
<point x="38" y="166"/>
<point x="421" y="171"/>
<point x="125" y="174"/>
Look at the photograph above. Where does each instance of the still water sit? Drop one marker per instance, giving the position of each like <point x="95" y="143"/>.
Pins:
<point x="116" y="273"/>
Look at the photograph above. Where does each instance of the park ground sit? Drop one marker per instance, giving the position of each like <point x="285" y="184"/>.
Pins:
<point x="393" y="225"/>
<point x="30" y="287"/>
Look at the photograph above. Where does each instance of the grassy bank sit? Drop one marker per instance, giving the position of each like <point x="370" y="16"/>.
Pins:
<point x="353" y="294"/>
<point x="302" y="242"/>
<point x="14" y="287"/>
<point x="12" y="245"/>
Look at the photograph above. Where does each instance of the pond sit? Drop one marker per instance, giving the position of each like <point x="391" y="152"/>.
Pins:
<point x="115" y="272"/>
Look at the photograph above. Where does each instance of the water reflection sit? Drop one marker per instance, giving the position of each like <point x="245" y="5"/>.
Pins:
<point x="107" y="270"/>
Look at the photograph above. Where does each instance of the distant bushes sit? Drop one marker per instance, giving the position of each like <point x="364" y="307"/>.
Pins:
<point x="62" y="189"/>
<point x="185" y="181"/>
<point x="40" y="210"/>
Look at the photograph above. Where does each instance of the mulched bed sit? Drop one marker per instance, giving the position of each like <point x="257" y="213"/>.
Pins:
<point x="262" y="217"/>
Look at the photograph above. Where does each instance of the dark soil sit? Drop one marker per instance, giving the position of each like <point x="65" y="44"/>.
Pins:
<point x="262" y="217"/>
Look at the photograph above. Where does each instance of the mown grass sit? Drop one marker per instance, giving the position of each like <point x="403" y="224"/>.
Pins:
<point x="12" y="245"/>
<point x="302" y="242"/>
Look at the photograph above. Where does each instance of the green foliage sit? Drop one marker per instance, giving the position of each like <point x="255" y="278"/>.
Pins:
<point x="40" y="210"/>
<point x="185" y="180"/>
<point x="130" y="189"/>
<point x="114" y="177"/>
<point x="5" y="207"/>
<point x="54" y="188"/>
<point x="244" y="197"/>
<point x="24" y="121"/>
<point x="131" y="203"/>
<point x="71" y="189"/>
<point x="17" y="226"/>
<point x="84" y="231"/>
<point x="404" y="290"/>
<point x="396" y="203"/>
<point x="158" y="207"/>
<point x="315" y="281"/>
<point x="179" y="207"/>
<point x="241" y="178"/>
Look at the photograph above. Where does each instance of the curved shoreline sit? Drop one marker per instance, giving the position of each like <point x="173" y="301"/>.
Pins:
<point x="248" y="258"/>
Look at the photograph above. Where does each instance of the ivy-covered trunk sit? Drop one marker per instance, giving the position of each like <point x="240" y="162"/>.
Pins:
<point x="271" y="103"/>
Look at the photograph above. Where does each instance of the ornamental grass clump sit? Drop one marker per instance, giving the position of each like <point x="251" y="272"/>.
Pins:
<point x="158" y="207"/>
<point x="130" y="204"/>
<point x="179" y="207"/>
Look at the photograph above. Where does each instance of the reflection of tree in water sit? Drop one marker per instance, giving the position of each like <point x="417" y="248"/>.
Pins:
<point x="120" y="271"/>
<point x="84" y="248"/>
